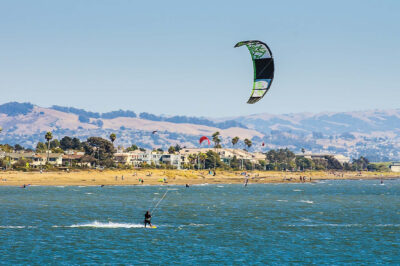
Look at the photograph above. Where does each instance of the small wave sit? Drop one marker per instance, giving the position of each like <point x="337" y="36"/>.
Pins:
<point x="12" y="226"/>
<point x="327" y="225"/>
<point x="97" y="224"/>
<point x="220" y="186"/>
<point x="193" y="225"/>
<point x="388" y="225"/>
<point x="81" y="186"/>
<point x="88" y="193"/>
<point x="307" y="201"/>
<point x="198" y="225"/>
<point x="61" y="186"/>
<point x="283" y="200"/>
<point x="172" y="189"/>
<point x="297" y="190"/>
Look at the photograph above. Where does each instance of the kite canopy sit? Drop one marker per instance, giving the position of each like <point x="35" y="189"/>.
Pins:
<point x="263" y="65"/>
<point x="203" y="138"/>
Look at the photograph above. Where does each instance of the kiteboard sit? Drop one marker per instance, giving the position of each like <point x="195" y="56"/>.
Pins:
<point x="152" y="227"/>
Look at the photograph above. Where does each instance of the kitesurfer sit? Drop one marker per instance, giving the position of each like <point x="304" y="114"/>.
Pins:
<point x="147" y="219"/>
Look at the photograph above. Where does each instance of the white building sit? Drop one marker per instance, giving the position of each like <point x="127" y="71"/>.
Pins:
<point x="172" y="159"/>
<point x="395" y="167"/>
<point x="226" y="155"/>
<point x="317" y="156"/>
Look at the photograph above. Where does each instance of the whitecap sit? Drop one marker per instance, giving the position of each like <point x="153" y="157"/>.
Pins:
<point x="388" y="225"/>
<point x="220" y="186"/>
<point x="12" y="226"/>
<point x="88" y="193"/>
<point x="194" y="225"/>
<point x="283" y="200"/>
<point x="323" y="225"/>
<point x="198" y="225"/>
<point x="307" y="201"/>
<point x="297" y="190"/>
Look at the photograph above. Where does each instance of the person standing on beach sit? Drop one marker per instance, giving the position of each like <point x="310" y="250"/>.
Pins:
<point x="147" y="219"/>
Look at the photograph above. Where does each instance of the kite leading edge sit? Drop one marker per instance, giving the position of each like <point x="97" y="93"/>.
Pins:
<point x="263" y="66"/>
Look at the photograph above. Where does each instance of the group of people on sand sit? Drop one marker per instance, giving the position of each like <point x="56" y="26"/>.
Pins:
<point x="116" y="178"/>
<point x="303" y="179"/>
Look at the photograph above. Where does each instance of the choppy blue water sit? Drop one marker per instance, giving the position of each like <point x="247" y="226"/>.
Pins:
<point x="332" y="222"/>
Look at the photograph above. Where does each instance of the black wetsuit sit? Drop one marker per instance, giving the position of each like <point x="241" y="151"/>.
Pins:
<point x="147" y="219"/>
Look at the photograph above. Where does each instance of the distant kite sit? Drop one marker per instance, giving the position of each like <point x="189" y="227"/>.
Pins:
<point x="203" y="138"/>
<point x="154" y="132"/>
<point x="263" y="66"/>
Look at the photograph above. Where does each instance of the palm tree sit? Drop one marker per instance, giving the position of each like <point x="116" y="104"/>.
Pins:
<point x="48" y="137"/>
<point x="113" y="137"/>
<point x="235" y="140"/>
<point x="192" y="158"/>
<point x="216" y="139"/>
<point x="1" y="129"/>
<point x="203" y="158"/>
<point x="248" y="143"/>
<point x="303" y="150"/>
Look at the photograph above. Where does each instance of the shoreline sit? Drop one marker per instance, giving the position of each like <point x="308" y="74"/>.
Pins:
<point x="176" y="177"/>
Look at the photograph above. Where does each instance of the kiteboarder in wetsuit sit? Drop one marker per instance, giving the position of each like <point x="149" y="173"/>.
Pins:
<point x="147" y="219"/>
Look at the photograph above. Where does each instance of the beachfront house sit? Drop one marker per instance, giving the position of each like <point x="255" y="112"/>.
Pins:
<point x="33" y="159"/>
<point x="317" y="156"/>
<point x="138" y="158"/>
<point x="13" y="157"/>
<point x="225" y="154"/>
<point x="395" y="167"/>
<point x="54" y="158"/>
<point x="174" y="160"/>
<point x="38" y="160"/>
<point x="122" y="158"/>
<point x="69" y="160"/>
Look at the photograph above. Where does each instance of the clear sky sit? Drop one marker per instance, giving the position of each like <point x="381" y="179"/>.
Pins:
<point x="177" y="57"/>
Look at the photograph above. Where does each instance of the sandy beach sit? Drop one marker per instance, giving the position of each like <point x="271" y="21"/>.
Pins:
<point x="173" y="177"/>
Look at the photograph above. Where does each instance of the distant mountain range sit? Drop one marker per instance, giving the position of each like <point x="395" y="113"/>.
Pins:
<point x="373" y="133"/>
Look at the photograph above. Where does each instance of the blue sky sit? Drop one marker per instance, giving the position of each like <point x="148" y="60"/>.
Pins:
<point x="177" y="57"/>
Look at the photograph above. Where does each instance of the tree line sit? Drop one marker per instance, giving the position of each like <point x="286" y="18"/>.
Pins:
<point x="100" y="152"/>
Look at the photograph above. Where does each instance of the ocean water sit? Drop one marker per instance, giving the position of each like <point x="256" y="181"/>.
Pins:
<point x="330" y="222"/>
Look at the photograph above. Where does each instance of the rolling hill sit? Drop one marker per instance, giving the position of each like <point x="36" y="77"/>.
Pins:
<point x="372" y="133"/>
